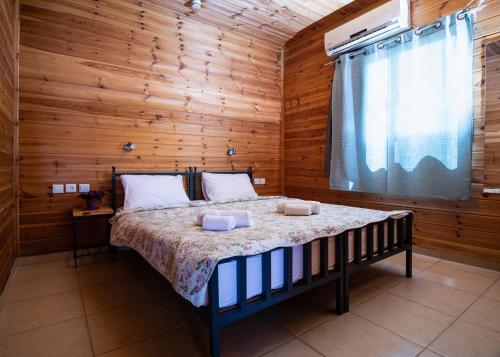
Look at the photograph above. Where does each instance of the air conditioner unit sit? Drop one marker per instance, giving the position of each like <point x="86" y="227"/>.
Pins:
<point x="378" y="24"/>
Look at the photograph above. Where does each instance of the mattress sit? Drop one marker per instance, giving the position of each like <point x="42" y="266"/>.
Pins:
<point x="228" y="272"/>
<point x="170" y="239"/>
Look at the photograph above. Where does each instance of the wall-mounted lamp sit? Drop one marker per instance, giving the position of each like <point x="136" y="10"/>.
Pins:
<point x="128" y="147"/>
<point x="231" y="151"/>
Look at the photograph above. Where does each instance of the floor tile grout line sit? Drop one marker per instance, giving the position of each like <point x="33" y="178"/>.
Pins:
<point x="388" y="330"/>
<point x="89" y="336"/>
<point x="458" y="317"/>
<point x="40" y="327"/>
<point x="137" y="341"/>
<point x="40" y="296"/>
<point x="427" y="306"/>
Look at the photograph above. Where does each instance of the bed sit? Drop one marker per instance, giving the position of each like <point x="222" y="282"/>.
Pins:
<point x="231" y="275"/>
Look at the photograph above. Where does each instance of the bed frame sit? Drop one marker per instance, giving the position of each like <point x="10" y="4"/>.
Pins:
<point x="219" y="317"/>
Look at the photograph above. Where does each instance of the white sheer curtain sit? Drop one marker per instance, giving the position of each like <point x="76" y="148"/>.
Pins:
<point x="402" y="115"/>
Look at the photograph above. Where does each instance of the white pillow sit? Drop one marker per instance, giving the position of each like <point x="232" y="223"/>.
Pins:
<point x="153" y="190"/>
<point x="220" y="187"/>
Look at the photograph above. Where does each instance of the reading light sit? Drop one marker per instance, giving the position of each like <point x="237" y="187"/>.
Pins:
<point x="231" y="151"/>
<point x="196" y="4"/>
<point x="128" y="147"/>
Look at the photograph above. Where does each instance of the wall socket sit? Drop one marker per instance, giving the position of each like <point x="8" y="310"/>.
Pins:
<point x="70" y="187"/>
<point x="259" y="181"/>
<point x="83" y="187"/>
<point x="57" y="189"/>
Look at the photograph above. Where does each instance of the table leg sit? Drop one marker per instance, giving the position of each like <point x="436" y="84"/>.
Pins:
<point x="74" y="242"/>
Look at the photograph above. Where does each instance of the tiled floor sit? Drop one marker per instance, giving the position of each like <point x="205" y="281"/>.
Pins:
<point x="124" y="308"/>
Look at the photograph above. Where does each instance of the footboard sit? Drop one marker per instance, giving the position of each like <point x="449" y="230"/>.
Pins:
<point x="375" y="242"/>
<point x="219" y="317"/>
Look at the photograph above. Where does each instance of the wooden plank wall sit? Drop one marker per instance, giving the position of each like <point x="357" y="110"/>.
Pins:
<point x="8" y="82"/>
<point x="460" y="229"/>
<point x="492" y="114"/>
<point x="97" y="74"/>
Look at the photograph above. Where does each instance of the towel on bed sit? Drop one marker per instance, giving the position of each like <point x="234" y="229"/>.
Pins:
<point x="218" y="223"/>
<point x="297" y="209"/>
<point x="242" y="218"/>
<point x="212" y="212"/>
<point x="315" y="205"/>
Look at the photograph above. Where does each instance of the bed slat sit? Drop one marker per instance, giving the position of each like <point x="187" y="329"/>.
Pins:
<point x="266" y="275"/>
<point x="390" y="234"/>
<point x="288" y="268"/>
<point x="323" y="250"/>
<point x="369" y="241"/>
<point x="241" y="269"/>
<point x="307" y="263"/>
<point x="401" y="232"/>
<point x="380" y="238"/>
<point x="357" y="246"/>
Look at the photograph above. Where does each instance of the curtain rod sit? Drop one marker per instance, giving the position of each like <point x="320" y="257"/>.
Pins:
<point x="479" y="6"/>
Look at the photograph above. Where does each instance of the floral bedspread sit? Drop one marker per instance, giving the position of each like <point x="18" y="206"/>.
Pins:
<point x="170" y="240"/>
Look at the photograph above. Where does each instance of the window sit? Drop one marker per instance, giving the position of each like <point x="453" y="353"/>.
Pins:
<point x="402" y="115"/>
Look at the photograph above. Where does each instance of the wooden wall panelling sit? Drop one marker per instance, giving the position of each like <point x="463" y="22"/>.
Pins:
<point x="8" y="132"/>
<point x="492" y="114"/>
<point x="469" y="227"/>
<point x="95" y="75"/>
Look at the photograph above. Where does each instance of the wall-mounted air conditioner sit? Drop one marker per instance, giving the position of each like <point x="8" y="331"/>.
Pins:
<point x="378" y="24"/>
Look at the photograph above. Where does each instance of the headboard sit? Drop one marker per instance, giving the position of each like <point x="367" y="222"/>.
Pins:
<point x="196" y="181"/>
<point x="114" y="187"/>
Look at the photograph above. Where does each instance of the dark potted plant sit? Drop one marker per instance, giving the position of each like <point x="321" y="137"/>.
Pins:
<point x="92" y="199"/>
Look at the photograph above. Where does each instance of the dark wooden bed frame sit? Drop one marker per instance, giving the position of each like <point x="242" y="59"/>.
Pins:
<point x="219" y="317"/>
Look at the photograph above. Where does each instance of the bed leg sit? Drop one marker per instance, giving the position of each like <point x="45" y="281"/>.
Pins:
<point x="214" y="340"/>
<point x="409" y="263"/>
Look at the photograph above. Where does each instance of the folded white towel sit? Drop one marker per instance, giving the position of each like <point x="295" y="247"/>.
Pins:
<point x="241" y="217"/>
<point x="218" y="223"/>
<point x="315" y="205"/>
<point x="297" y="209"/>
<point x="203" y="213"/>
<point x="280" y="207"/>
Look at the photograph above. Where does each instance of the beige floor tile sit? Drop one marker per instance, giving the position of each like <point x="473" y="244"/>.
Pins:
<point x="420" y="261"/>
<point x="44" y="258"/>
<point x="69" y="338"/>
<point x="182" y="309"/>
<point x="350" y="335"/>
<point x="305" y="311"/>
<point x="380" y="277"/>
<point x="170" y="344"/>
<point x="470" y="279"/>
<point x="466" y="339"/>
<point x="102" y="296"/>
<point x="294" y="348"/>
<point x="494" y="291"/>
<point x="110" y="329"/>
<point x="104" y="272"/>
<point x="361" y="293"/>
<point x="434" y="295"/>
<point x="484" y="312"/>
<point x="29" y="314"/>
<point x="252" y="336"/>
<point x="406" y="318"/>
<point x="34" y="280"/>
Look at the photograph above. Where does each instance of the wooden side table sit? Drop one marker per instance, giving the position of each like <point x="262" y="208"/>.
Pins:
<point x="81" y="214"/>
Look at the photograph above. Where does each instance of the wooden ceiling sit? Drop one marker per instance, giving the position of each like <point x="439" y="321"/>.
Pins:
<point x="272" y="21"/>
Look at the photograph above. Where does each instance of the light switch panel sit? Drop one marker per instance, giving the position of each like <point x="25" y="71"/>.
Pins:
<point x="84" y="187"/>
<point x="57" y="189"/>
<point x="70" y="187"/>
<point x="259" y="181"/>
<point x="262" y="181"/>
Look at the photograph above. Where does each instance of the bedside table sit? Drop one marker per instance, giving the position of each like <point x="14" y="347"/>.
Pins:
<point x="80" y="214"/>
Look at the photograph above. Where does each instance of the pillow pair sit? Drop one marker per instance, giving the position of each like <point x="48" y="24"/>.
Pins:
<point x="164" y="190"/>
